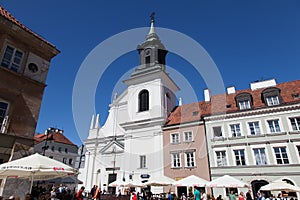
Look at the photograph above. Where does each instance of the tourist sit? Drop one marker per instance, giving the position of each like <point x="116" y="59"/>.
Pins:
<point x="196" y="193"/>
<point x="232" y="196"/>
<point x="79" y="195"/>
<point x="241" y="196"/>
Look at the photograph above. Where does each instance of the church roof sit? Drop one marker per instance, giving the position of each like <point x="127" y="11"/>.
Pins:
<point x="226" y="103"/>
<point x="56" y="136"/>
<point x="4" y="13"/>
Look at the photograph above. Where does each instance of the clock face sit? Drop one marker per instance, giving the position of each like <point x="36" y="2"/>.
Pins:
<point x="33" y="68"/>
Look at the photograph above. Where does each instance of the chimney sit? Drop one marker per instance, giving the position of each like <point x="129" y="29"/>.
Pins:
<point x="206" y="95"/>
<point x="180" y="101"/>
<point x="231" y="90"/>
<point x="262" y="84"/>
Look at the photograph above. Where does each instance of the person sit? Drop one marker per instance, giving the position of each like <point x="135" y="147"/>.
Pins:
<point x="79" y="193"/>
<point x="133" y="196"/>
<point x="97" y="193"/>
<point x="196" y="193"/>
<point x="213" y="197"/>
<point x="241" y="196"/>
<point x="232" y="196"/>
<point x="203" y="195"/>
<point x="53" y="194"/>
<point x="183" y="197"/>
<point x="118" y="193"/>
<point x="248" y="195"/>
<point x="27" y="196"/>
<point x="93" y="190"/>
<point x="219" y="197"/>
<point x="170" y="197"/>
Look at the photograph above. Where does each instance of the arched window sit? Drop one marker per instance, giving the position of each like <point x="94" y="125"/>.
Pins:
<point x="143" y="100"/>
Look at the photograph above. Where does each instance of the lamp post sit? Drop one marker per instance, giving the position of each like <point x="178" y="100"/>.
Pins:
<point x="45" y="147"/>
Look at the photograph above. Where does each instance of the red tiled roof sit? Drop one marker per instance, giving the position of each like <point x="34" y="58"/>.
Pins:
<point x="57" y="137"/>
<point x="218" y="103"/>
<point x="8" y="16"/>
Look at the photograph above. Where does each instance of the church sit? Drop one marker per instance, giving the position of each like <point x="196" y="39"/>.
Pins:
<point x="129" y="146"/>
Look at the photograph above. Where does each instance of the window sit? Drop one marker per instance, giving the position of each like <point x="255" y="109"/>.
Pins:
<point x="298" y="148"/>
<point x="142" y="161"/>
<point x="175" y="138"/>
<point x="190" y="159"/>
<point x="52" y="148"/>
<point x="239" y="157"/>
<point x="65" y="160"/>
<point x="235" y="130"/>
<point x="217" y="131"/>
<point x="274" y="126"/>
<point x="243" y="100"/>
<point x="260" y="156"/>
<point x="272" y="100"/>
<point x="281" y="155"/>
<point x="254" y="128"/>
<point x="70" y="161"/>
<point x="188" y="136"/>
<point x="66" y="150"/>
<point x="59" y="149"/>
<point x="271" y="96"/>
<point x="244" y="105"/>
<point x="3" y="112"/>
<point x="295" y="122"/>
<point x="144" y="100"/>
<point x="221" y="158"/>
<point x="147" y="59"/>
<point x="176" y="161"/>
<point x="12" y="58"/>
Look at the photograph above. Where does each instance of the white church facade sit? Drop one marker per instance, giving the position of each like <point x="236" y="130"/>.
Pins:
<point x="130" y="143"/>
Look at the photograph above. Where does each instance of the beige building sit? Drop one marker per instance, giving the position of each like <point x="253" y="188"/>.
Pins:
<point x="254" y="135"/>
<point x="184" y="144"/>
<point x="24" y="63"/>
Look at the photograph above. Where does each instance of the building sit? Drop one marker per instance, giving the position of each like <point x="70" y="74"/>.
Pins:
<point x="184" y="141"/>
<point x="24" y="63"/>
<point x="254" y="134"/>
<point x="130" y="143"/>
<point x="54" y="144"/>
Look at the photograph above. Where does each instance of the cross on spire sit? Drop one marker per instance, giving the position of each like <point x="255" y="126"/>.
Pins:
<point x="152" y="16"/>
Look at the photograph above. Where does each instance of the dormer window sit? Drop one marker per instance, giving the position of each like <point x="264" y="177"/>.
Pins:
<point x="271" y="96"/>
<point x="243" y="101"/>
<point x="143" y="100"/>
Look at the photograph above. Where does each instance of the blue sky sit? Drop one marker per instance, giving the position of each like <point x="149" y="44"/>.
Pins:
<point x="247" y="40"/>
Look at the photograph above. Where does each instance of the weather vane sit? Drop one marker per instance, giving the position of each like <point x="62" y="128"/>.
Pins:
<point x="152" y="16"/>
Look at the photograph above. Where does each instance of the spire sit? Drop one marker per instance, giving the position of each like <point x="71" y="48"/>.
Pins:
<point x="152" y="35"/>
<point x="92" y="122"/>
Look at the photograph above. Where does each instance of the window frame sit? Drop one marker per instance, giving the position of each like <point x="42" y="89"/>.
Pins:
<point x="6" y="111"/>
<point x="296" y="121"/>
<point x="143" y="100"/>
<point x="276" y="159"/>
<point x="260" y="155"/>
<point x="13" y="58"/>
<point x="213" y="130"/>
<point x="190" y="137"/>
<point x="234" y="128"/>
<point x="273" y="129"/>
<point x="224" y="157"/>
<point x="240" y="157"/>
<point x="193" y="158"/>
<point x="255" y="128"/>
<point x="272" y="100"/>
<point x="176" y="158"/>
<point x="171" y="138"/>
<point x="143" y="162"/>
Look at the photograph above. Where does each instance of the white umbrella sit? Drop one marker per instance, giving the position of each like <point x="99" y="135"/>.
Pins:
<point x="280" y="186"/>
<point x="35" y="167"/>
<point x="159" y="181"/>
<point x="134" y="183"/>
<point x="117" y="183"/>
<point x="227" y="181"/>
<point x="191" y="180"/>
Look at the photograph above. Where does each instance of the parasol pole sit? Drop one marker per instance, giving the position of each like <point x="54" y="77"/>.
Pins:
<point x="31" y="184"/>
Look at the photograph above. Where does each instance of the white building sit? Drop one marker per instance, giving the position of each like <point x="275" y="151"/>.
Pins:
<point x="54" y="144"/>
<point x="130" y="144"/>
<point x="255" y="134"/>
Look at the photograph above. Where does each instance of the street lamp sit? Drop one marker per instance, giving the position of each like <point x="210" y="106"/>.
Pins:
<point x="45" y="147"/>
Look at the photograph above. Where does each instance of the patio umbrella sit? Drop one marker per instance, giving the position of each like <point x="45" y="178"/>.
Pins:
<point x="280" y="186"/>
<point x="227" y="181"/>
<point x="35" y="167"/>
<point x="160" y="181"/>
<point x="191" y="180"/>
<point x="117" y="183"/>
